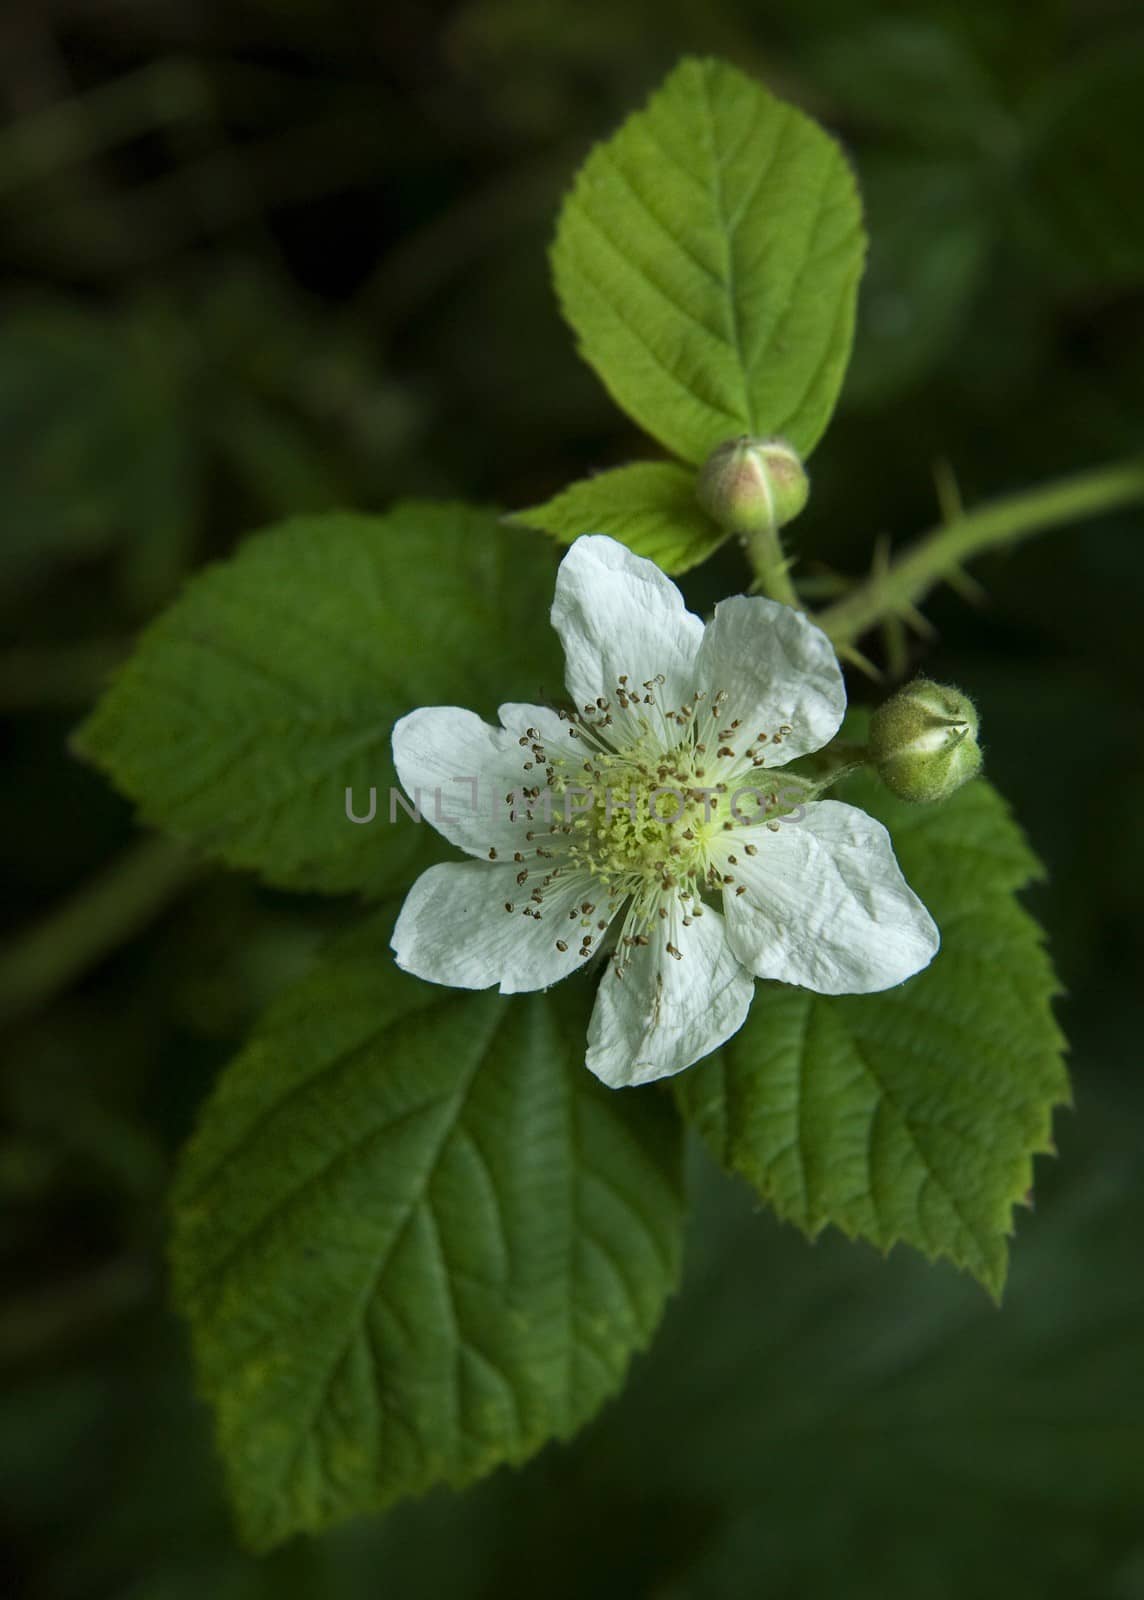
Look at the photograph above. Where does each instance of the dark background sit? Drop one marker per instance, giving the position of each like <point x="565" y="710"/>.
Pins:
<point x="268" y="256"/>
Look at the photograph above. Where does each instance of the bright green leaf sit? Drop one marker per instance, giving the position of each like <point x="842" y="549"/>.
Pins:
<point x="912" y="1115"/>
<point x="649" y="506"/>
<point x="273" y="684"/>
<point x="708" y="259"/>
<point x="415" y="1238"/>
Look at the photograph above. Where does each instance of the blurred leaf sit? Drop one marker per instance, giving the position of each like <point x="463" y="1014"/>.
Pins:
<point x="931" y="225"/>
<point x="415" y="1239"/>
<point x="708" y="259"/>
<point x="911" y="1115"/>
<point x="650" y="506"/>
<point x="95" y="439"/>
<point x="272" y="685"/>
<point x="913" y="77"/>
<point x="882" y="1419"/>
<point x="282" y="462"/>
<point x="1084" y="174"/>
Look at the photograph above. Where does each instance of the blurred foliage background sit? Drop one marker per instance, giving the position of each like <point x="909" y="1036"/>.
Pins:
<point x="280" y="255"/>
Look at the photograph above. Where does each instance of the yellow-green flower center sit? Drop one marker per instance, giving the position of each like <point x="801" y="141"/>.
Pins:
<point x="631" y="814"/>
<point x="638" y="819"/>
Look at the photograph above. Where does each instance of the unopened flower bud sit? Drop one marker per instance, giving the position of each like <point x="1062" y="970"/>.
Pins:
<point x="753" y="485"/>
<point x="923" y="741"/>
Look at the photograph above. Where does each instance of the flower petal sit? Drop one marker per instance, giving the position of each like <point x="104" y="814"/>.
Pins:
<point x="824" y="903"/>
<point x="664" y="1013"/>
<point x="777" y="668"/>
<point x="443" y="751"/>
<point x="454" y="929"/>
<point x="555" y="731"/>
<point x="619" y="616"/>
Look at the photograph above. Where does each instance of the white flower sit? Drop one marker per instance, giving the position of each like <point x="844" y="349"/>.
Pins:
<point x="702" y="715"/>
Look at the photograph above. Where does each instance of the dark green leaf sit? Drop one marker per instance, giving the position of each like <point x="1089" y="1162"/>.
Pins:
<point x="415" y="1238"/>
<point x="273" y="684"/>
<point x="912" y="1115"/>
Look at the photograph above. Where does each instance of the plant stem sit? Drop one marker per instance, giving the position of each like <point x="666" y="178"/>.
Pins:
<point x="772" y="578"/>
<point x="999" y="522"/>
<point x="105" y="913"/>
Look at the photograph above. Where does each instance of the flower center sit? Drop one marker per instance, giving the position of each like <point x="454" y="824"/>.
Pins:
<point x="639" y="819"/>
<point x="636" y="806"/>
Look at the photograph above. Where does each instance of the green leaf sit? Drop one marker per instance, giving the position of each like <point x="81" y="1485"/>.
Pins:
<point x="414" y="1238"/>
<point x="912" y="1115"/>
<point x="273" y="685"/>
<point x="649" y="506"/>
<point x="708" y="259"/>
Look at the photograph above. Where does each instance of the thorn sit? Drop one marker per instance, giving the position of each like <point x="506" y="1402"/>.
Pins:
<point x="960" y="581"/>
<point x="946" y="488"/>
<point x="880" y="565"/>
<point x="921" y="624"/>
<point x="854" y="656"/>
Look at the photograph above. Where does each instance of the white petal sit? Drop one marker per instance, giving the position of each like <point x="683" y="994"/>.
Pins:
<point x="619" y="616"/>
<point x="555" y="731"/>
<point x="777" y="668"/>
<point x="454" y="929"/>
<point x="443" y="752"/>
<point x="825" y="904"/>
<point x="664" y="1013"/>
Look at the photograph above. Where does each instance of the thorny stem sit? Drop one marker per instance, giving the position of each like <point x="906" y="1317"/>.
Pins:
<point x="939" y="553"/>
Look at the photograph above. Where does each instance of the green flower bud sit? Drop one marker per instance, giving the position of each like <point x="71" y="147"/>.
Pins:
<point x="753" y="485"/>
<point x="923" y="741"/>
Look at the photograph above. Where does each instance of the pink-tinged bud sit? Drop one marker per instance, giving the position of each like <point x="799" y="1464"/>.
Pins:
<point x="751" y="486"/>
